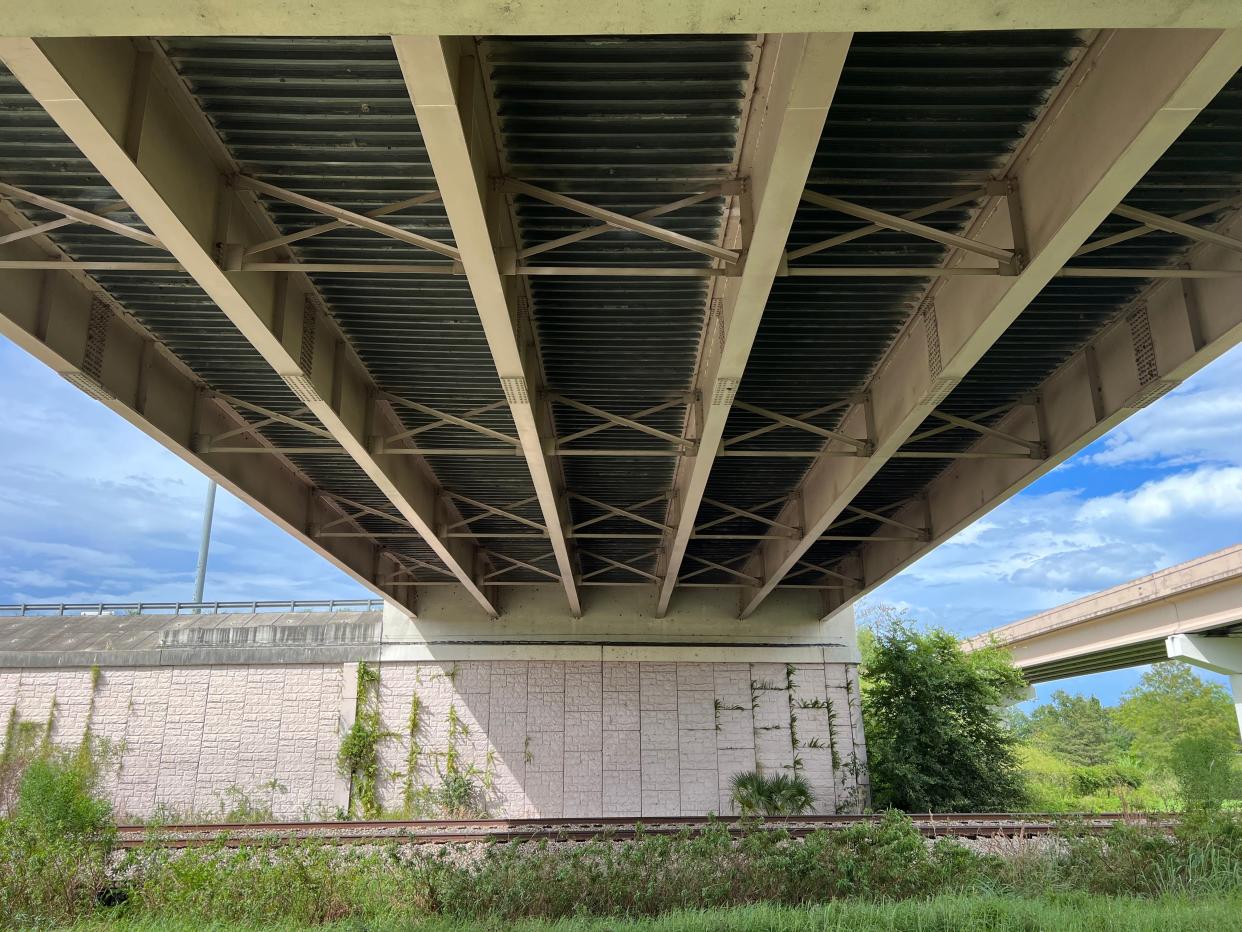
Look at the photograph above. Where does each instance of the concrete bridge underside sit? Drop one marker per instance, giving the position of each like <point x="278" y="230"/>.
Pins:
<point x="623" y="346"/>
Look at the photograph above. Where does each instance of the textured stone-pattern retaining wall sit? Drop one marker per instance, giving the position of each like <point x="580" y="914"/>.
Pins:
<point x="186" y="738"/>
<point x="543" y="738"/>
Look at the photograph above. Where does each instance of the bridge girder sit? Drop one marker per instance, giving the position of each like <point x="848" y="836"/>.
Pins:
<point x="1174" y="328"/>
<point x="72" y="326"/>
<point x="1116" y="115"/>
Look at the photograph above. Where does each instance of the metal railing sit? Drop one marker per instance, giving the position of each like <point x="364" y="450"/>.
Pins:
<point x="191" y="608"/>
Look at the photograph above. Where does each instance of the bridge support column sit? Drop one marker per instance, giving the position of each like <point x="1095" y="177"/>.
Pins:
<point x="1218" y="654"/>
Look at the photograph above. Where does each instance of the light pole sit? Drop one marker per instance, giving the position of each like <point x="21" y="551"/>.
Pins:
<point x="200" y="576"/>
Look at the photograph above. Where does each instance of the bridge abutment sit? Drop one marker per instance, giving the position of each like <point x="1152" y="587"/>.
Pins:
<point x="532" y="715"/>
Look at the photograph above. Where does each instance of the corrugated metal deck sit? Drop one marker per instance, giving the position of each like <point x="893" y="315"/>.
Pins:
<point x="625" y="123"/>
<point x="917" y="119"/>
<point x="1203" y="166"/>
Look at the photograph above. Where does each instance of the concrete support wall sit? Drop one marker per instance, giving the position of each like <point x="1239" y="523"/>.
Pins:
<point x="538" y="737"/>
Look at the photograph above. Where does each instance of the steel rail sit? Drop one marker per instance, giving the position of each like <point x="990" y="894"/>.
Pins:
<point x="449" y="831"/>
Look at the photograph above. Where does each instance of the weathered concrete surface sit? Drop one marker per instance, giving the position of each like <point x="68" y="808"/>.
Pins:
<point x="534" y="628"/>
<point x="176" y="640"/>
<point x="184" y="736"/>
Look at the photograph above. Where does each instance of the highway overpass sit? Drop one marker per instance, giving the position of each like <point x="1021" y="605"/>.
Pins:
<point x="632" y="316"/>
<point x="1190" y="612"/>
<point x="674" y="328"/>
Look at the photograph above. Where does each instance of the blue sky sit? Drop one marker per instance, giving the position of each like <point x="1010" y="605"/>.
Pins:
<point x="1162" y="488"/>
<point x="91" y="509"/>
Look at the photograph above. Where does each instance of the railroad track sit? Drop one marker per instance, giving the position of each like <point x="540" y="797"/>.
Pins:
<point x="458" y="831"/>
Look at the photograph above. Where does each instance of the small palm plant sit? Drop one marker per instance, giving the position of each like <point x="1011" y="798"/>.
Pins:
<point x="748" y="793"/>
<point x="790" y="795"/>
<point x="781" y="794"/>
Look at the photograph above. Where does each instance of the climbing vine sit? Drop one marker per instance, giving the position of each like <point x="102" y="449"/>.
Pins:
<point x="85" y="746"/>
<point x="359" y="754"/>
<point x="462" y="784"/>
<point x="51" y="723"/>
<point x="721" y="707"/>
<point x="414" y="751"/>
<point x="790" y="685"/>
<point x="832" y="735"/>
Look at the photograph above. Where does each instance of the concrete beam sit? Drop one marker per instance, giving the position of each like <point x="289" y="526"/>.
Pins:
<point x="67" y="323"/>
<point x="449" y="629"/>
<point x="797" y="79"/>
<point x="444" y="86"/>
<point x="1173" y="330"/>
<point x="1130" y="96"/>
<point x="1220" y="655"/>
<point x="178" y="187"/>
<point x="1206" y="590"/>
<point x="565" y="17"/>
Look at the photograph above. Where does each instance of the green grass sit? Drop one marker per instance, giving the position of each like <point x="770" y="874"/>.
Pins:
<point x="1071" y="913"/>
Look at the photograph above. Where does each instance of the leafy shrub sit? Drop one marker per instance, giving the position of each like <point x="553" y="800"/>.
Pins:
<point x="58" y="798"/>
<point x="1086" y="781"/>
<point x="311" y="883"/>
<point x="935" y="740"/>
<point x="305" y="884"/>
<point x="23" y="742"/>
<point x="699" y="870"/>
<point x="1202" y="855"/>
<point x="781" y="794"/>
<point x="459" y="796"/>
<point x="54" y="849"/>
<point x="1203" y="766"/>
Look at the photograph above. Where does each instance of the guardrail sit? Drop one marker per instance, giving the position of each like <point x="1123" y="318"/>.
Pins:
<point x="191" y="608"/>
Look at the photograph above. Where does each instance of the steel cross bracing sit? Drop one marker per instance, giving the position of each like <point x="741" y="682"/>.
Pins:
<point x="89" y="344"/>
<point x="77" y="328"/>
<point x="1020" y="234"/>
<point x="70" y="78"/>
<point x="1005" y="261"/>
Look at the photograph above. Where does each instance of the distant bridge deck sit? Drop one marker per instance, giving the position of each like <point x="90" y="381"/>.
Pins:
<point x="1128" y="624"/>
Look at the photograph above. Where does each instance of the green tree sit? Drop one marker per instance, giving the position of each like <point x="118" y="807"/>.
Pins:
<point x="1171" y="703"/>
<point x="1077" y="729"/>
<point x="935" y="735"/>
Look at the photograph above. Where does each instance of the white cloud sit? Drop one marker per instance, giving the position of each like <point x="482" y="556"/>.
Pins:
<point x="1053" y="543"/>
<point x="1214" y="493"/>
